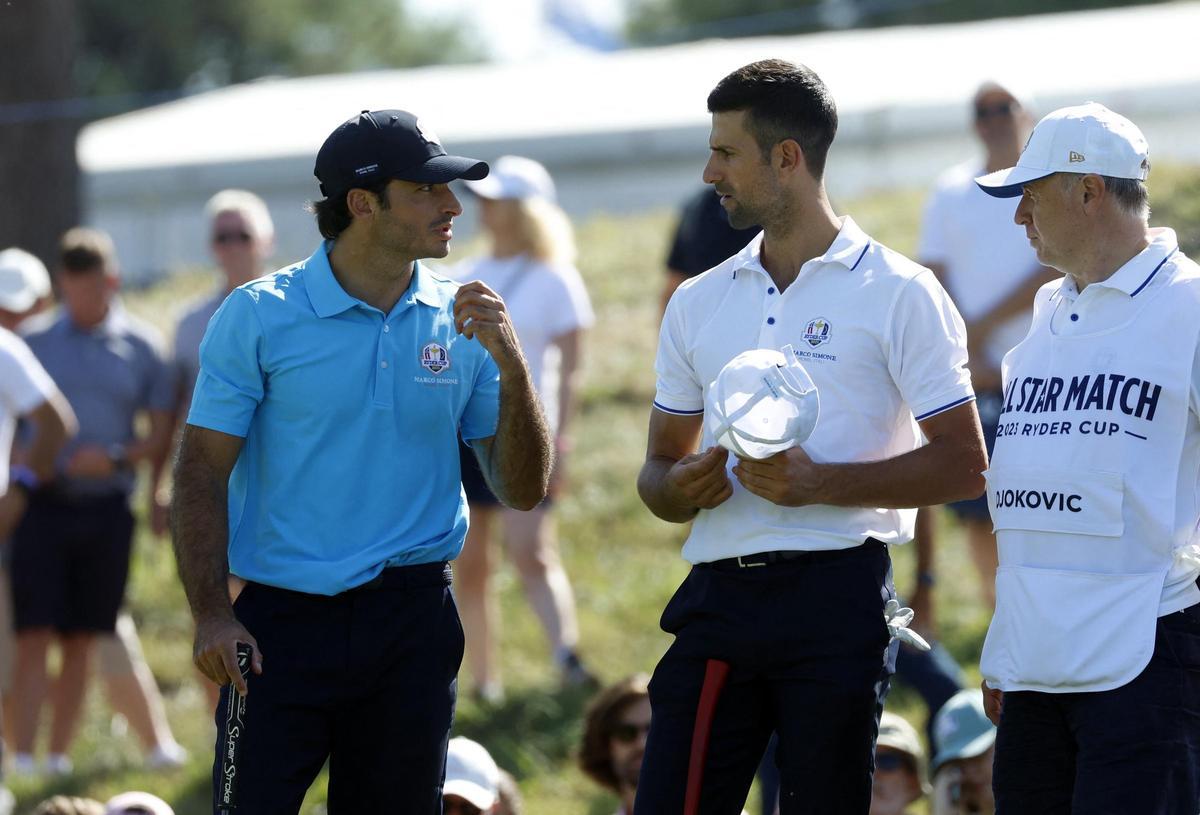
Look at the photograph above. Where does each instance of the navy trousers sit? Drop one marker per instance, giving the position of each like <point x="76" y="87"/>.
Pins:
<point x="1134" y="750"/>
<point x="808" y="657"/>
<point x="364" y="680"/>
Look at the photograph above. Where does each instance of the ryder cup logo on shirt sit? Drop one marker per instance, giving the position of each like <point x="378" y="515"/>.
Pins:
<point x="435" y="358"/>
<point x="818" y="332"/>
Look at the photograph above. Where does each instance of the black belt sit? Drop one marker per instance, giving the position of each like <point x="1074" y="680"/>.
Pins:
<point x="805" y="556"/>
<point x="418" y="574"/>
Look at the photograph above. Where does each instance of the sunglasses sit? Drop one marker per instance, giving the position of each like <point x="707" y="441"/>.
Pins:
<point x="626" y="732"/>
<point x="224" y="238"/>
<point x="891" y="762"/>
<point x="459" y="808"/>
<point x="985" y="112"/>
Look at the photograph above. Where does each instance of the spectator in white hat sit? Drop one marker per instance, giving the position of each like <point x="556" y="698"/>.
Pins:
<point x="137" y="803"/>
<point x="531" y="266"/>
<point x="472" y="783"/>
<point x="899" y="767"/>
<point x="24" y="287"/>
<point x="964" y="742"/>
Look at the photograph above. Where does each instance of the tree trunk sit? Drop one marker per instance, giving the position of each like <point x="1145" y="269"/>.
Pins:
<point x="39" y="176"/>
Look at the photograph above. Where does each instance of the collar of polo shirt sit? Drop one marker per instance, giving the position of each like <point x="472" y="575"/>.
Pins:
<point x="846" y="250"/>
<point x="329" y="298"/>
<point x="1138" y="271"/>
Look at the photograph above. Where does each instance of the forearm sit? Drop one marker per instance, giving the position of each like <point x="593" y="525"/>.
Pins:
<point x="1017" y="302"/>
<point x="653" y="490"/>
<point x="200" y="533"/>
<point x="938" y="473"/>
<point x="48" y="439"/>
<point x="521" y="453"/>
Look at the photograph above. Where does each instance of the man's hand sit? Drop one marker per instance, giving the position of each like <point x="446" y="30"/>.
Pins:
<point x="12" y="507"/>
<point x="480" y="314"/>
<point x="699" y="480"/>
<point x="993" y="703"/>
<point x="90" y="461"/>
<point x="215" y="651"/>
<point x="789" y="479"/>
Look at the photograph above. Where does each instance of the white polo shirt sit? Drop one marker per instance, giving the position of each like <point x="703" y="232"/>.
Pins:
<point x="1094" y="484"/>
<point x="24" y="384"/>
<point x="986" y="254"/>
<point x="880" y="338"/>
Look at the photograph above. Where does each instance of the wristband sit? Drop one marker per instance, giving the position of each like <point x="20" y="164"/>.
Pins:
<point x="24" y="477"/>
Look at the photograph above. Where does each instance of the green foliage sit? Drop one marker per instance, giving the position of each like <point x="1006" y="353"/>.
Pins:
<point x="170" y="44"/>
<point x="1175" y="202"/>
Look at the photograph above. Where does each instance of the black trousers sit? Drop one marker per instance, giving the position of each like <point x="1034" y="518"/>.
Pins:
<point x="1133" y="750"/>
<point x="363" y="679"/>
<point x="808" y="657"/>
<point x="70" y="562"/>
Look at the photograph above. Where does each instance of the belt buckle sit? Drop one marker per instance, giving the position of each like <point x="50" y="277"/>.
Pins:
<point x="747" y="565"/>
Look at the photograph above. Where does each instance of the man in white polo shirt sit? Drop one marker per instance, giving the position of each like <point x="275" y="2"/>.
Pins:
<point x="780" y="624"/>
<point x="1092" y="661"/>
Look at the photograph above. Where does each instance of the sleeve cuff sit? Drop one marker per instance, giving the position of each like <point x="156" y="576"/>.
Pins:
<point x="947" y="404"/>
<point x="676" y="411"/>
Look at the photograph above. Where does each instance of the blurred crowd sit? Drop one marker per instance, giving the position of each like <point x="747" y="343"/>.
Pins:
<point x="101" y="395"/>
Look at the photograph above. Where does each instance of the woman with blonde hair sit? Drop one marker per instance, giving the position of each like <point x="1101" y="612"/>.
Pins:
<point x="531" y="266"/>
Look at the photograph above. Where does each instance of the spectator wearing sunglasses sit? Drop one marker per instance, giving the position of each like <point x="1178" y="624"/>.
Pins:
<point x="982" y="258"/>
<point x="614" y="738"/>
<point x="242" y="239"/>
<point x="899" y="767"/>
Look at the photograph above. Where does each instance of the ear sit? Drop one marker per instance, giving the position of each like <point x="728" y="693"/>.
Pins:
<point x="788" y="157"/>
<point x="1092" y="191"/>
<point x="361" y="203"/>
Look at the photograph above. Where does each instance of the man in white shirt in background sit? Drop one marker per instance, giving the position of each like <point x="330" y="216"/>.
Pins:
<point x="1091" y="665"/>
<point x="969" y="241"/>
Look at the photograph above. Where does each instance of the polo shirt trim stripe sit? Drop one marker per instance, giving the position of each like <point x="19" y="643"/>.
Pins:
<point x="666" y="409"/>
<point x="860" y="257"/>
<point x="1146" y="282"/>
<point x="944" y="408"/>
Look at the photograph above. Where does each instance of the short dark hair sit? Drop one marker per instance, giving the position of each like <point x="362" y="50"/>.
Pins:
<point x="333" y="216"/>
<point x="602" y="717"/>
<point x="84" y="249"/>
<point x="783" y="101"/>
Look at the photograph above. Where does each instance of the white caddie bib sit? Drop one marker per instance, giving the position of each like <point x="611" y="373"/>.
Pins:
<point x="1083" y="488"/>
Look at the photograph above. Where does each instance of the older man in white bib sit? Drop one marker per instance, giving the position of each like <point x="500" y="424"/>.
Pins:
<point x="1092" y="663"/>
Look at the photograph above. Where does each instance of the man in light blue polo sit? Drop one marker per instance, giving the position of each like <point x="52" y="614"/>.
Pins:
<point x="320" y="453"/>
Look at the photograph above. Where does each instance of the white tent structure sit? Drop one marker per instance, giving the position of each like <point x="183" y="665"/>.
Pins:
<point x="627" y="131"/>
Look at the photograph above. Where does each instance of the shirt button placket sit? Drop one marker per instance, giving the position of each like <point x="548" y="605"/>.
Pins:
<point x="384" y="376"/>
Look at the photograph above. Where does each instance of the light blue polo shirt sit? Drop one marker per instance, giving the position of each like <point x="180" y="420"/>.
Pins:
<point x="350" y="418"/>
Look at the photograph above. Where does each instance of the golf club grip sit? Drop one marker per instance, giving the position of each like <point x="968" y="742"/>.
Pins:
<point x="235" y="731"/>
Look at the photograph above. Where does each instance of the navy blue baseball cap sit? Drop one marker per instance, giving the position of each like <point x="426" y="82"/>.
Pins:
<point x="381" y="144"/>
